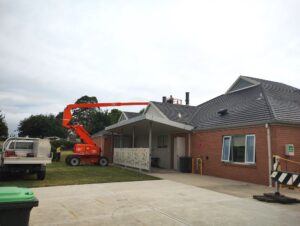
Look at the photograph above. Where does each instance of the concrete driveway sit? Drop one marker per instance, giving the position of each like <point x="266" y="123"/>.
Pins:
<point x="161" y="202"/>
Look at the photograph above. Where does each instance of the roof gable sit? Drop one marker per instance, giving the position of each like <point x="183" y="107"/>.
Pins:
<point x="152" y="109"/>
<point x="242" y="83"/>
<point x="122" y="117"/>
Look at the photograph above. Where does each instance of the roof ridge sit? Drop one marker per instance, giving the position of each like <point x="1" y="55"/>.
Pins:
<point x="270" y="81"/>
<point x="270" y="108"/>
<point x="180" y="105"/>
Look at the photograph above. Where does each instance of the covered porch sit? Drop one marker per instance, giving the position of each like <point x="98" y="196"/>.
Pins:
<point x="146" y="141"/>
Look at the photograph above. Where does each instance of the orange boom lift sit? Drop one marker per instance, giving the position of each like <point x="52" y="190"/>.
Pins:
<point x="88" y="152"/>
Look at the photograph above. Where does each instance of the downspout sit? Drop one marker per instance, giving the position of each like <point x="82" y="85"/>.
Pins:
<point x="269" y="152"/>
<point x="189" y="137"/>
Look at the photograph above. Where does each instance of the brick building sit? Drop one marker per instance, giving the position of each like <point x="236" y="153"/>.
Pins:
<point x="235" y="134"/>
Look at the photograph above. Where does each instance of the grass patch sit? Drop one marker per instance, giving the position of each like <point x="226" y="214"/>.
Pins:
<point x="58" y="173"/>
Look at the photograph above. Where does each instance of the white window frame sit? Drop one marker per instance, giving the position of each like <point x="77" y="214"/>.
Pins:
<point x="230" y="140"/>
<point x="226" y="160"/>
<point x="254" y="149"/>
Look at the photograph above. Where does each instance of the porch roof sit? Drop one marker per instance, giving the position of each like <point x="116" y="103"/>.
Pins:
<point x="141" y="122"/>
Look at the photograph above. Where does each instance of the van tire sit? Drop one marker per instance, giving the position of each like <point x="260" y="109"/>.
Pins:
<point x="41" y="175"/>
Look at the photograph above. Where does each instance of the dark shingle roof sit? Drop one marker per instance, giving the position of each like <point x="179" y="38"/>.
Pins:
<point x="263" y="102"/>
<point x="266" y="102"/>
<point x="131" y="114"/>
<point x="284" y="100"/>
<point x="176" y="112"/>
<point x="244" y="107"/>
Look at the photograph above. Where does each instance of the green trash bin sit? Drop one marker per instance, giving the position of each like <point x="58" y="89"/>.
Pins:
<point x="15" y="206"/>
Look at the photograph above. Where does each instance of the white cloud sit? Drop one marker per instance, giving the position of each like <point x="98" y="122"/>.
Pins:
<point x="53" y="52"/>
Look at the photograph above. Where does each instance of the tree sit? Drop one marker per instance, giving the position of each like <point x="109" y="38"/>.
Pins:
<point x="3" y="126"/>
<point x="41" y="126"/>
<point x="94" y="119"/>
<point x="87" y="117"/>
<point x="114" y="116"/>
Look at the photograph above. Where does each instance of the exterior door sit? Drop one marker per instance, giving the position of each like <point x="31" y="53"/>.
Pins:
<point x="179" y="150"/>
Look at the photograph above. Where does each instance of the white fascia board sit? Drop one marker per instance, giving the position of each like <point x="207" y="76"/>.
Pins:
<point x="169" y="122"/>
<point x="126" y="122"/>
<point x="151" y="118"/>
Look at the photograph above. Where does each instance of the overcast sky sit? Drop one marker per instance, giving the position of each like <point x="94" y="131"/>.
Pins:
<point x="53" y="52"/>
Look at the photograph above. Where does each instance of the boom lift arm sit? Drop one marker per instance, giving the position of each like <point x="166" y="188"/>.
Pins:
<point x="89" y="152"/>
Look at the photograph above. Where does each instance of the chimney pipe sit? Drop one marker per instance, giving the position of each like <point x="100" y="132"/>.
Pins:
<point x="187" y="98"/>
<point x="164" y="99"/>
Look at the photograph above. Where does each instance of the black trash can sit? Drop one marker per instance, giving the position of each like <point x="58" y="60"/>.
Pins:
<point x="15" y="206"/>
<point x="185" y="164"/>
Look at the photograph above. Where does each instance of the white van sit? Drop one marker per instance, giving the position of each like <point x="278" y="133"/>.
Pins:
<point x="25" y="155"/>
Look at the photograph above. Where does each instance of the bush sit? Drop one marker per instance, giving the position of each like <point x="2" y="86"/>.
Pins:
<point x="67" y="144"/>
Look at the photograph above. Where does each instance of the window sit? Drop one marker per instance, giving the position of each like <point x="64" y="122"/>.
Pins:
<point x="24" y="145"/>
<point x="162" y="141"/>
<point x="240" y="149"/>
<point x="12" y="145"/>
<point x="226" y="148"/>
<point x="250" y="149"/>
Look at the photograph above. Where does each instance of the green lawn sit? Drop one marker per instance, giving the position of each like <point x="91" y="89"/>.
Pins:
<point x="58" y="173"/>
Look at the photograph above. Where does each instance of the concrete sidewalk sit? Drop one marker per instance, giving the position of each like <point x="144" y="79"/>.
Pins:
<point x="231" y="187"/>
<point x="160" y="202"/>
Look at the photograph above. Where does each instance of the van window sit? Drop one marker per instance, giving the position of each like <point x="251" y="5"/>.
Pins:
<point x="12" y="145"/>
<point x="24" y="145"/>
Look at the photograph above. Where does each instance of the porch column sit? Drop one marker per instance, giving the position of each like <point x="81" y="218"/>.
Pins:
<point x="150" y="144"/>
<point x="150" y="136"/>
<point x="133" y="136"/>
<point x="121" y="140"/>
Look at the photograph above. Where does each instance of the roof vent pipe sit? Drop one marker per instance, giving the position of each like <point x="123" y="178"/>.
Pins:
<point x="187" y="98"/>
<point x="164" y="99"/>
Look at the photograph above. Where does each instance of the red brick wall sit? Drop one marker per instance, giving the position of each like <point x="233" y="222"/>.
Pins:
<point x="208" y="146"/>
<point x="108" y="148"/>
<point x="105" y="142"/>
<point x="282" y="135"/>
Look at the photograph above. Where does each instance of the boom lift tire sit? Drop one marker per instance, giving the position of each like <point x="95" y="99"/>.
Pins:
<point x="74" y="161"/>
<point x="67" y="160"/>
<point x="103" y="161"/>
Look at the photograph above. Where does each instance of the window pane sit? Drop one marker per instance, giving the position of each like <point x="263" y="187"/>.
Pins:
<point x="250" y="144"/>
<point x="24" y="145"/>
<point x="11" y="145"/>
<point x="162" y="141"/>
<point x="238" y="149"/>
<point x="226" y="149"/>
